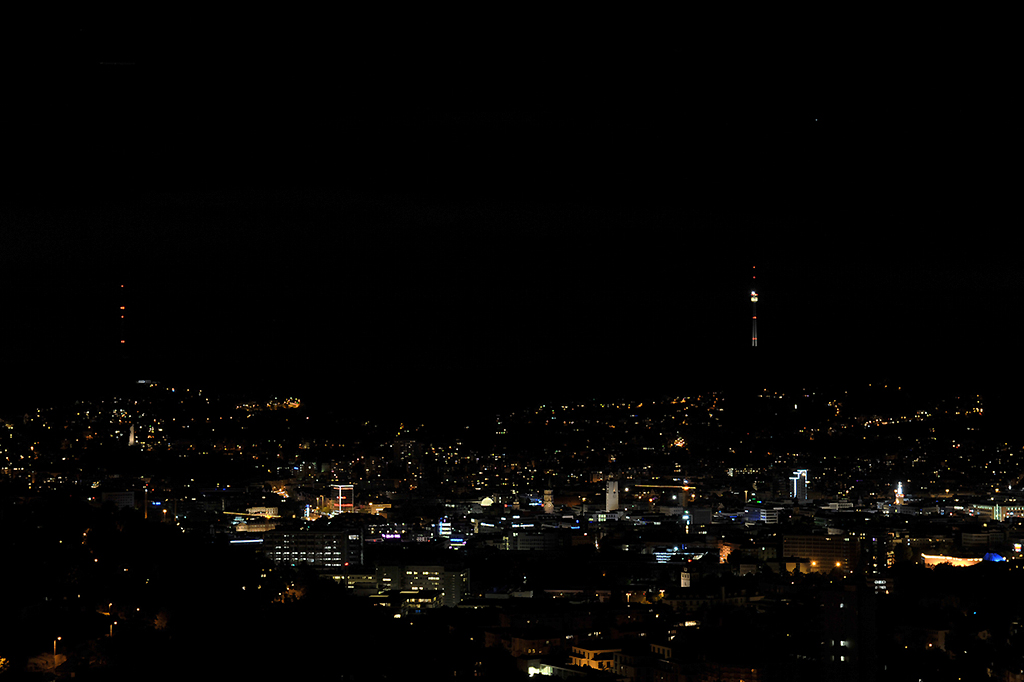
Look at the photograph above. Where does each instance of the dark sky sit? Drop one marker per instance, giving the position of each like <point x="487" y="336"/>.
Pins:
<point x="401" y="215"/>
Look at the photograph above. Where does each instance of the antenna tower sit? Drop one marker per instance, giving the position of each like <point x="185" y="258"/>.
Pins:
<point x="121" y="301"/>
<point x="753" y="305"/>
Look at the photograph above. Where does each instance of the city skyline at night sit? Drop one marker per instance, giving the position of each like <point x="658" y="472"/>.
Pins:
<point x="370" y="350"/>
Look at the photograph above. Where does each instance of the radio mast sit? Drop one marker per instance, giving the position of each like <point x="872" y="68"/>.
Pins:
<point x="753" y="305"/>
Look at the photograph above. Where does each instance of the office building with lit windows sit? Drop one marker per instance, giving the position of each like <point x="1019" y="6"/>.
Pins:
<point x="824" y="552"/>
<point x="323" y="551"/>
<point x="451" y="581"/>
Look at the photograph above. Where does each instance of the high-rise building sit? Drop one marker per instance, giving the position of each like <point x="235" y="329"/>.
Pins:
<point x="846" y="629"/>
<point x="798" y="486"/>
<point x="877" y="556"/>
<point x="611" y="496"/>
<point x="346" y="497"/>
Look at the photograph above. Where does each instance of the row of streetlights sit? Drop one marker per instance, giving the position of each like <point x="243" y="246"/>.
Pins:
<point x="58" y="639"/>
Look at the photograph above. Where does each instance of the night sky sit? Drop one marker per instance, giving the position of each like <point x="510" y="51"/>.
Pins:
<point x="390" y="217"/>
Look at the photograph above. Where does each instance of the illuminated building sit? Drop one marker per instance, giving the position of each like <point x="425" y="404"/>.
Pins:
<point x="798" y="485"/>
<point x="933" y="560"/>
<point x="346" y="497"/>
<point x="451" y="582"/>
<point x="762" y="514"/>
<point x="595" y="655"/>
<point x="997" y="512"/>
<point x="246" y="522"/>
<point x="322" y="550"/>
<point x="407" y="602"/>
<point x="825" y="552"/>
<point x="611" y="496"/>
<point x="878" y="555"/>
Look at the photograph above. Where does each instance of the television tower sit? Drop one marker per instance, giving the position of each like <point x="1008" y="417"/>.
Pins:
<point x="753" y="304"/>
<point x="121" y="297"/>
<point x="124" y="370"/>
